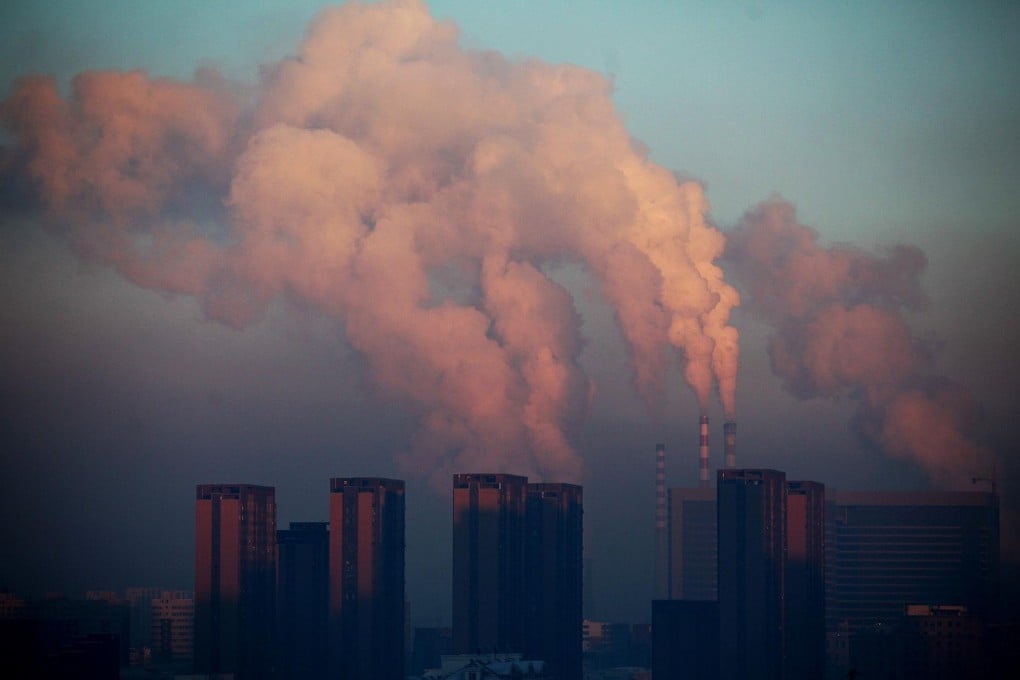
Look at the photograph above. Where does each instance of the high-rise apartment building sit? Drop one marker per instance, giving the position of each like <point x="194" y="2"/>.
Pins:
<point x="488" y="562"/>
<point x="805" y="580"/>
<point x="752" y="563"/>
<point x="235" y="579"/>
<point x="302" y="598"/>
<point x="366" y="578"/>
<point x="553" y="571"/>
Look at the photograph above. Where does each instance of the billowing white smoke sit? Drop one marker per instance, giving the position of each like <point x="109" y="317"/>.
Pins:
<point x="840" y="333"/>
<point x="415" y="191"/>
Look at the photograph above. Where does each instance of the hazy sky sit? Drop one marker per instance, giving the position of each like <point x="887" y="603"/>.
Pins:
<point x="881" y="123"/>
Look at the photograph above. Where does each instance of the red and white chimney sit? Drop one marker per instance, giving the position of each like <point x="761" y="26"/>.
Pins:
<point x="703" y="454"/>
<point x="730" y="443"/>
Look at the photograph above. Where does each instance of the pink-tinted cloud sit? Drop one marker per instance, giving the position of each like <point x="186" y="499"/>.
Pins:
<point x="414" y="191"/>
<point x="840" y="333"/>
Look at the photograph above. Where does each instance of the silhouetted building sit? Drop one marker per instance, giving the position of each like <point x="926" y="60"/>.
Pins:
<point x="641" y="645"/>
<point x="888" y="549"/>
<point x="606" y="645"/>
<point x="488" y="562"/>
<point x="23" y="648"/>
<point x="173" y="627"/>
<point x="94" y="655"/>
<point x="553" y="572"/>
<point x="59" y="637"/>
<point x="805" y="580"/>
<point x="140" y="602"/>
<point x="685" y="639"/>
<point x="752" y="561"/>
<point x="366" y="578"/>
<point x="927" y="643"/>
<point x="235" y="579"/>
<point x="428" y="648"/>
<point x="692" y="544"/>
<point x="302" y="598"/>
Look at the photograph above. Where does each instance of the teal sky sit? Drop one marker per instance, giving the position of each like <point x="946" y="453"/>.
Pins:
<point x="874" y="118"/>
<point x="882" y="122"/>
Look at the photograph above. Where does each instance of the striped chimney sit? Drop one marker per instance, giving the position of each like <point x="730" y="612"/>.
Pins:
<point x="661" y="558"/>
<point x="730" y="443"/>
<point x="703" y="454"/>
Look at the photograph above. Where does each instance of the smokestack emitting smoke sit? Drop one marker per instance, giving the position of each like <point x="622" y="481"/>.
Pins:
<point x="703" y="452"/>
<point x="661" y="544"/>
<point x="730" y="443"/>
<point x="413" y="190"/>
<point x="840" y="333"/>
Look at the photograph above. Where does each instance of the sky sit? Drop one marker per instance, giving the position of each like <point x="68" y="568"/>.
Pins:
<point x="259" y="243"/>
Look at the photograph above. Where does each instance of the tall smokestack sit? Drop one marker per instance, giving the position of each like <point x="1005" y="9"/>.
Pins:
<point x="730" y="443"/>
<point x="703" y="454"/>
<point x="661" y="590"/>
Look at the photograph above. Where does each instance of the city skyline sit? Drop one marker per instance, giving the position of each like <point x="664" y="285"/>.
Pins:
<point x="888" y="557"/>
<point x="877" y="127"/>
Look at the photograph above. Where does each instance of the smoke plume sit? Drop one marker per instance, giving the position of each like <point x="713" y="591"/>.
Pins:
<point x="413" y="190"/>
<point x="840" y="332"/>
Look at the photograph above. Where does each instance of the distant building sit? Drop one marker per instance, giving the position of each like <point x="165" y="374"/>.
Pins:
<point x="685" y="639"/>
<point x="59" y="637"/>
<point x="302" y="598"/>
<point x="752" y="565"/>
<point x="366" y="578"/>
<point x="140" y="602"/>
<point x="887" y="550"/>
<point x="605" y="645"/>
<point x="11" y="606"/>
<point x="511" y="666"/>
<point x="488" y="562"/>
<point x="880" y="551"/>
<point x="428" y="648"/>
<point x="641" y="645"/>
<point x="805" y="580"/>
<point x="91" y="655"/>
<point x="172" y="626"/>
<point x="929" y="642"/>
<point x="692" y="544"/>
<point x="103" y="596"/>
<point x="553" y="572"/>
<point x="235" y="579"/>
